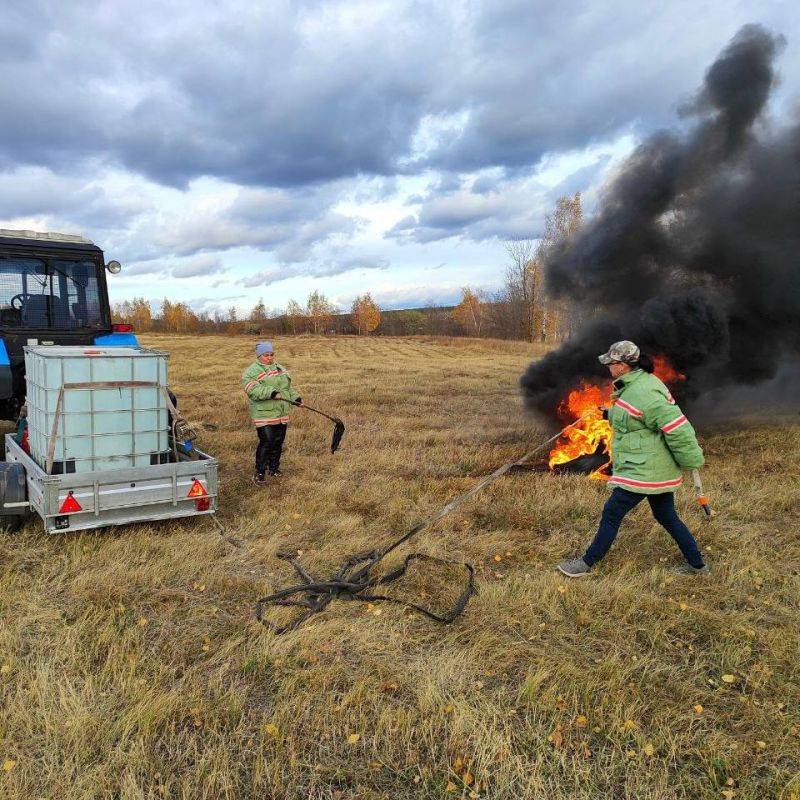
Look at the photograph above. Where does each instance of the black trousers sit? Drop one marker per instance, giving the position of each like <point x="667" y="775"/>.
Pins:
<point x="663" y="507"/>
<point x="270" y="445"/>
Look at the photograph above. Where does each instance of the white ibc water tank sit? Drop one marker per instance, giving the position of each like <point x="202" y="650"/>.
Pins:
<point x="99" y="427"/>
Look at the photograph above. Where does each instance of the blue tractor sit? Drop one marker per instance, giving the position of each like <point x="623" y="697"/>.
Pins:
<point x="52" y="291"/>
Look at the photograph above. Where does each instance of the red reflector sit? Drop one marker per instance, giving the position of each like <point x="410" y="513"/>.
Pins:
<point x="122" y="327"/>
<point x="203" y="504"/>
<point x="70" y="505"/>
<point x="197" y="490"/>
<point x="92" y="352"/>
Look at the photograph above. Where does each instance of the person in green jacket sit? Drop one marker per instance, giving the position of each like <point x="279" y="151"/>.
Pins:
<point x="652" y="443"/>
<point x="268" y="386"/>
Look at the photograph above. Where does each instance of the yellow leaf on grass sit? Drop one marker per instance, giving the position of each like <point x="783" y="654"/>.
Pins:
<point x="271" y="730"/>
<point x="684" y="606"/>
<point x="458" y="765"/>
<point x="353" y="738"/>
<point x="698" y="709"/>
<point x="728" y="678"/>
<point x="468" y="779"/>
<point x="648" y="749"/>
<point x="728" y="793"/>
<point x="556" y="738"/>
<point x="562" y="589"/>
<point x="5" y="669"/>
<point x="498" y="558"/>
<point x="141" y="622"/>
<point x="448" y="709"/>
<point x="628" y="725"/>
<point x="761" y="745"/>
<point x="9" y="764"/>
<point x="451" y="787"/>
<point x="581" y="721"/>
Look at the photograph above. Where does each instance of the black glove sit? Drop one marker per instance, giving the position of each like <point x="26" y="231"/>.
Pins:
<point x="274" y="395"/>
<point x="604" y="410"/>
<point x="298" y="400"/>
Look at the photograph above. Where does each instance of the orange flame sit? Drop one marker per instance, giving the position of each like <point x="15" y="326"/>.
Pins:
<point x="592" y="434"/>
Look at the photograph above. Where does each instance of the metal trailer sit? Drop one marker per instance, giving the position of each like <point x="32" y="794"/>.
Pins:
<point x="82" y="500"/>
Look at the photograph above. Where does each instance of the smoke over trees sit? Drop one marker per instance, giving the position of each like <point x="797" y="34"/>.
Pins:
<point x="694" y="252"/>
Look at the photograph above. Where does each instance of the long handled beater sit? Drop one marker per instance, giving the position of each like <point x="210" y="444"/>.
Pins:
<point x="338" y="425"/>
<point x="353" y="579"/>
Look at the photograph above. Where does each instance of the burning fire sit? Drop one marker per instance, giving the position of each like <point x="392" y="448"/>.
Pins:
<point x="592" y="434"/>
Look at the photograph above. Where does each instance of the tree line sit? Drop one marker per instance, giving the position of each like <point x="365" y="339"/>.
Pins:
<point x="521" y="309"/>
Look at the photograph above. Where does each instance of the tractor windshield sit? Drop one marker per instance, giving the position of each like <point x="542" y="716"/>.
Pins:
<point x="52" y="294"/>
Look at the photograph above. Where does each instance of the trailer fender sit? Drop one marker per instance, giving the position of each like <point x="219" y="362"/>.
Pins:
<point x="13" y="490"/>
<point x="117" y="340"/>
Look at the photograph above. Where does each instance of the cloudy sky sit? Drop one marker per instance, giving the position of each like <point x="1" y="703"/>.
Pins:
<point x="226" y="152"/>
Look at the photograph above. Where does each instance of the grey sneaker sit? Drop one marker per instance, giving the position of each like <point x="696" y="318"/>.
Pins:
<point x="574" y="568"/>
<point x="687" y="569"/>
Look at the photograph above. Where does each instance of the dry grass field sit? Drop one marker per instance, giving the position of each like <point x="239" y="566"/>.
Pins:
<point x="132" y="666"/>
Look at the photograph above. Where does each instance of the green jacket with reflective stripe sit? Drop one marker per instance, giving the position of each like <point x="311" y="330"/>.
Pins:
<point x="260" y="381"/>
<point x="653" y="441"/>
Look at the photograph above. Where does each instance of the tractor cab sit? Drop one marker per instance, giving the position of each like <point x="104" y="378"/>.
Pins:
<point x="52" y="291"/>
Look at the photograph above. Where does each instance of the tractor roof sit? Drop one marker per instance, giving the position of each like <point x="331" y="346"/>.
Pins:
<point x="49" y="240"/>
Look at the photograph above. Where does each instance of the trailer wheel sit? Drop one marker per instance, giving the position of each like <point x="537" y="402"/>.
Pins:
<point x="11" y="524"/>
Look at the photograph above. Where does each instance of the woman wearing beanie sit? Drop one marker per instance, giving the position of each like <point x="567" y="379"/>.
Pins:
<point x="268" y="387"/>
<point x="653" y="442"/>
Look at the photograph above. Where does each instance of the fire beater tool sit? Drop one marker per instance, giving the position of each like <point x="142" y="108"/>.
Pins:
<point x="353" y="580"/>
<point x="701" y="496"/>
<point x="338" y="425"/>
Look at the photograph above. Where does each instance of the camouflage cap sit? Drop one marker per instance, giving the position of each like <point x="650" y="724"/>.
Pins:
<point x="620" y="352"/>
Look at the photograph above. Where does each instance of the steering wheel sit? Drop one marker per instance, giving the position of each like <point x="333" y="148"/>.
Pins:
<point x="22" y="298"/>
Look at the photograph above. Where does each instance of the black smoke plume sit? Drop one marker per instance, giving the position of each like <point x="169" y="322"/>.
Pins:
<point x="694" y="252"/>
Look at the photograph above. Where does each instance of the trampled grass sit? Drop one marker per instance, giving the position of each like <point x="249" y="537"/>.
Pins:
<point x="132" y="666"/>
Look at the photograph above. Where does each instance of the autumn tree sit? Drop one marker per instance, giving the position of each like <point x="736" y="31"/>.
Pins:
<point x="178" y="317"/>
<point x="258" y="316"/>
<point x="365" y="315"/>
<point x="470" y="313"/>
<point x="523" y="289"/>
<point x="320" y="311"/>
<point x="557" y="318"/>
<point x="295" y="315"/>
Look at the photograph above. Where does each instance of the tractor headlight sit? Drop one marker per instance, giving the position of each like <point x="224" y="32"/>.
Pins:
<point x="113" y="267"/>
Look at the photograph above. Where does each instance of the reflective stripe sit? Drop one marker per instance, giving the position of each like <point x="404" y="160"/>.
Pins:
<point x="646" y="484"/>
<point x="249" y="386"/>
<point x="277" y="421"/>
<point x="675" y="424"/>
<point x="270" y="374"/>
<point x="634" y="412"/>
<point x="670" y="399"/>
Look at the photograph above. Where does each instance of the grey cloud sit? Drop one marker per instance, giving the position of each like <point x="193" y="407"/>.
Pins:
<point x="290" y="224"/>
<point x="76" y="201"/>
<point x="327" y="269"/>
<point x="195" y="266"/>
<point x="417" y="296"/>
<point x="492" y="206"/>
<point x="308" y="92"/>
<point x="508" y="212"/>
<point x="198" y="266"/>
